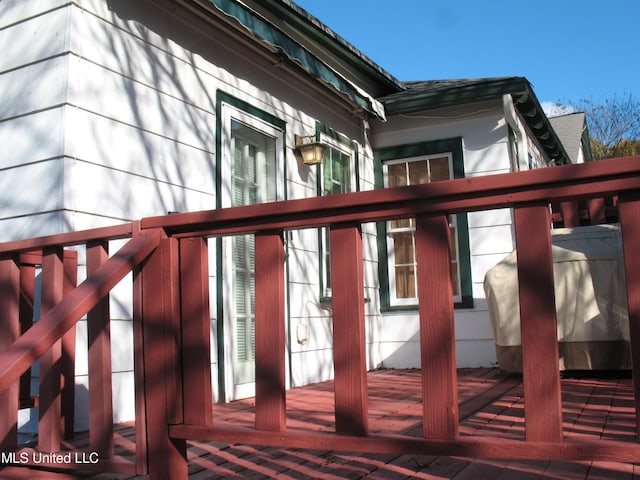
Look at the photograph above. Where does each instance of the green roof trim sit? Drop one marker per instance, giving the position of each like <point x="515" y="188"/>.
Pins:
<point x="426" y="95"/>
<point x="265" y="31"/>
<point x="318" y="32"/>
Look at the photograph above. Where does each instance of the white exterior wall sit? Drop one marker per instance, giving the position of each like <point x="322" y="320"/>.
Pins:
<point x="33" y="85"/>
<point x="126" y="111"/>
<point x="485" y="150"/>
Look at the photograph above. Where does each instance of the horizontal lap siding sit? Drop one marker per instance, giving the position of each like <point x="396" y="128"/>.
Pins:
<point x="33" y="87"/>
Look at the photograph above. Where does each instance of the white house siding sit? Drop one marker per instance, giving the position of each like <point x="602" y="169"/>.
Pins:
<point x="33" y="84"/>
<point x="485" y="148"/>
<point x="124" y="113"/>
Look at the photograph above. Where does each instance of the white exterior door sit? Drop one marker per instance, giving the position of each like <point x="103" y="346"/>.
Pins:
<point x="251" y="172"/>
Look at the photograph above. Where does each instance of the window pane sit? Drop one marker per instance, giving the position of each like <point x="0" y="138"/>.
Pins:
<point x="418" y="173"/>
<point x="402" y="223"/>
<point x="439" y="169"/>
<point x="405" y="282"/>
<point x="397" y="175"/>
<point x="403" y="248"/>
<point x="254" y="165"/>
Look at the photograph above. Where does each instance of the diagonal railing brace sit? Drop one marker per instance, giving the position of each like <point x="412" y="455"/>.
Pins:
<point x="53" y="325"/>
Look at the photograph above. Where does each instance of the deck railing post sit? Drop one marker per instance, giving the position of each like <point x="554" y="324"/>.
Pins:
<point x="196" y="331"/>
<point x="270" y="332"/>
<point x="570" y="213"/>
<point x="629" y="210"/>
<point x="540" y="357"/>
<point x="9" y="332"/>
<point x="27" y="296"/>
<point x="68" y="361"/>
<point x="99" y="341"/>
<point x="49" y="426"/>
<point x="349" y="354"/>
<point x="437" y="335"/>
<point x="166" y="457"/>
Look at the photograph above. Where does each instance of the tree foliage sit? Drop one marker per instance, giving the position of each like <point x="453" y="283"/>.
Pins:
<point x="614" y="126"/>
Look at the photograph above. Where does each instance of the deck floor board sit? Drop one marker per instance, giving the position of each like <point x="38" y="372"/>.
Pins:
<point x="491" y="403"/>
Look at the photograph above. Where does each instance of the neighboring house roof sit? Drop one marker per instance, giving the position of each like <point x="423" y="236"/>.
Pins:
<point x="430" y="94"/>
<point x="572" y="131"/>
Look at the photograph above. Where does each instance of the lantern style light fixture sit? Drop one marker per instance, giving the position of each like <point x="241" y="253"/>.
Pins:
<point x="310" y="149"/>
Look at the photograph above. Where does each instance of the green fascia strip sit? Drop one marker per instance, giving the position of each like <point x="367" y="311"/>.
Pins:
<point x="518" y="87"/>
<point x="269" y="33"/>
<point x="303" y="21"/>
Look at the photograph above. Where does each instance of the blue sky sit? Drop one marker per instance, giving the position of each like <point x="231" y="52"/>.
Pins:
<point x="568" y="49"/>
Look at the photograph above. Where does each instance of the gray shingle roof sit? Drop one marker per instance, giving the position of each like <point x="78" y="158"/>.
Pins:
<point x="569" y="129"/>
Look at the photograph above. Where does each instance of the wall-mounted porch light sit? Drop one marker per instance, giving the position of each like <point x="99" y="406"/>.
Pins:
<point x="309" y="149"/>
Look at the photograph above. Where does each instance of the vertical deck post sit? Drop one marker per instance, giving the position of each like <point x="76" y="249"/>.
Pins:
<point x="9" y="332"/>
<point x="139" y="369"/>
<point x="166" y="456"/>
<point x="68" y="361"/>
<point x="597" y="210"/>
<point x="196" y="331"/>
<point x="629" y="210"/>
<point x="49" y="427"/>
<point x="270" y="332"/>
<point x="437" y="335"/>
<point x="540" y="357"/>
<point x="570" y="213"/>
<point x="99" y="341"/>
<point x="349" y="354"/>
<point x="27" y="295"/>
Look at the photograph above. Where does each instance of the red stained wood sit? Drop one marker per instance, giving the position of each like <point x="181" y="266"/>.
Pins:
<point x="570" y="214"/>
<point x="99" y="341"/>
<point x="139" y="370"/>
<point x="27" y="294"/>
<point x="9" y="332"/>
<point x="270" y="332"/>
<point x="68" y="239"/>
<point x="196" y="331"/>
<point x="49" y="426"/>
<point x="437" y="335"/>
<point x="475" y="447"/>
<point x="166" y="457"/>
<point x="349" y="355"/>
<point x="629" y="208"/>
<point x="597" y="211"/>
<point x="57" y="321"/>
<point x="543" y="409"/>
<point x="68" y="360"/>
<point x="603" y="178"/>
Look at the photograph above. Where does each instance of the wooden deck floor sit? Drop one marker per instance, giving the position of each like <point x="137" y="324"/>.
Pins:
<point x="491" y="403"/>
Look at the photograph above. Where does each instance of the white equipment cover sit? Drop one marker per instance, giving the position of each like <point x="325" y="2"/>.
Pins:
<point x="591" y="301"/>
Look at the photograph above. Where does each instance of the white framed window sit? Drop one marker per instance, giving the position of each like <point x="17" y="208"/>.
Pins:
<point x="401" y="247"/>
<point x="252" y="154"/>
<point x="337" y="175"/>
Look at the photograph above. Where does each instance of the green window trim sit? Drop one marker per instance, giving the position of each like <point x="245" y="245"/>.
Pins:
<point x="386" y="154"/>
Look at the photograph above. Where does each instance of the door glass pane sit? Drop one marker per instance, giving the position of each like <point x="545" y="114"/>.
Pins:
<point x="253" y="181"/>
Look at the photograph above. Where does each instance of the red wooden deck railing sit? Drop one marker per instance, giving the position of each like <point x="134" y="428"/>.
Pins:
<point x="169" y="258"/>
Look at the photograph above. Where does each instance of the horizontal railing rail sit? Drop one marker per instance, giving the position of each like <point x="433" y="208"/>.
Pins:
<point x="172" y="318"/>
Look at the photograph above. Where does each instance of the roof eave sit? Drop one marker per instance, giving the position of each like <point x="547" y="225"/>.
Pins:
<point x="262" y="32"/>
<point x="519" y="88"/>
